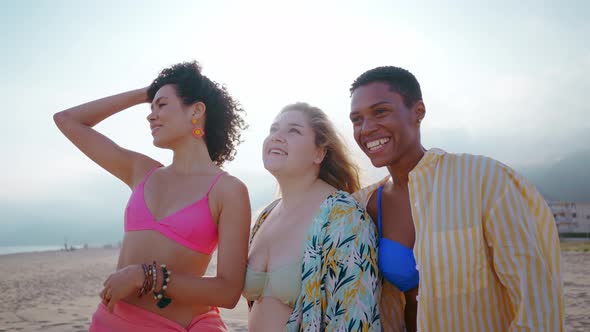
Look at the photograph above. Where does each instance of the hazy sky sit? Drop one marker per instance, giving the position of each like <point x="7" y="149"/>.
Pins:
<point x="504" y="79"/>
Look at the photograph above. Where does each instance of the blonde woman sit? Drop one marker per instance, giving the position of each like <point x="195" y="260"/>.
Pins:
<point x="312" y="264"/>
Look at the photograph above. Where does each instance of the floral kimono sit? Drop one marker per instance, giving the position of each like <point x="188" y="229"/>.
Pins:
<point x="340" y="283"/>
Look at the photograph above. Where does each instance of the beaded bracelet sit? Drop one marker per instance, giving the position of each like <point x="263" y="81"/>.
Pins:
<point x="163" y="301"/>
<point x="154" y="274"/>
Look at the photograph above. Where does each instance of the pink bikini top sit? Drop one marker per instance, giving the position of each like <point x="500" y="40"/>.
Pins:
<point x="191" y="226"/>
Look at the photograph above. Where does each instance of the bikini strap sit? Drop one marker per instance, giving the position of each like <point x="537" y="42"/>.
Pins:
<point x="215" y="181"/>
<point x="379" y="194"/>
<point x="150" y="173"/>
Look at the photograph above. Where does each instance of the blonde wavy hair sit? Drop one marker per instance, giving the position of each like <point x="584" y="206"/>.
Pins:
<point x="337" y="168"/>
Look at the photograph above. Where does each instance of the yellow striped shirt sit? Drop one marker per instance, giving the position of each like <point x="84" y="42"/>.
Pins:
<point x="486" y="248"/>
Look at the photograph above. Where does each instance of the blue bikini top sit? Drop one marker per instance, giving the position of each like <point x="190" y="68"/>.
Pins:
<point x="396" y="261"/>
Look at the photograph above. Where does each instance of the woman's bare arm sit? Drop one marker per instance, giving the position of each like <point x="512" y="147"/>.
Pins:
<point x="76" y="124"/>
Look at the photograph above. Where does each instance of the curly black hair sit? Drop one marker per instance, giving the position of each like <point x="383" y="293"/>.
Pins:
<point x="399" y="80"/>
<point x="224" y="113"/>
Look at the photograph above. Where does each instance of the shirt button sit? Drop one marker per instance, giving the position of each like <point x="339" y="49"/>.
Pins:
<point x="416" y="204"/>
<point x="417" y="267"/>
<point x="417" y="298"/>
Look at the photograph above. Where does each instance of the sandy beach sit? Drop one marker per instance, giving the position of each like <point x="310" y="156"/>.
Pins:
<point x="57" y="291"/>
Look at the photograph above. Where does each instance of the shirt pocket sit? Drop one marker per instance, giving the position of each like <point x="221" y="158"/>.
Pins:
<point x="459" y="262"/>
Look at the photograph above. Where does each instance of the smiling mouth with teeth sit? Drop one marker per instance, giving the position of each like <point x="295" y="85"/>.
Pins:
<point x="277" y="151"/>
<point x="376" y="144"/>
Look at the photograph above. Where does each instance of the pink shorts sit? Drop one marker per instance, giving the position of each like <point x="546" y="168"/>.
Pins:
<point x="127" y="317"/>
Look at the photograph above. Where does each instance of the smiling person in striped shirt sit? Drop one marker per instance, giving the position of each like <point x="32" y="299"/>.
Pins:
<point x="483" y="239"/>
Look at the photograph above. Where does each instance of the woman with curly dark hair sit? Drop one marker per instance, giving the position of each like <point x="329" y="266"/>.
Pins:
<point x="177" y="214"/>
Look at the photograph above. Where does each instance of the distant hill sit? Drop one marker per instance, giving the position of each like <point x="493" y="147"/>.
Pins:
<point x="565" y="180"/>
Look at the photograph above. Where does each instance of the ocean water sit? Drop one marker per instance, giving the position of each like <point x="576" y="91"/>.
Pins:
<point x="18" y="249"/>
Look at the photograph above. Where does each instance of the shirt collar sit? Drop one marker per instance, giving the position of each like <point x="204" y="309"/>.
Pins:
<point x="429" y="157"/>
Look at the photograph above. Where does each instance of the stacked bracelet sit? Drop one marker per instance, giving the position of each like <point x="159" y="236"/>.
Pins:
<point x="150" y="277"/>
<point x="163" y="301"/>
<point x="146" y="280"/>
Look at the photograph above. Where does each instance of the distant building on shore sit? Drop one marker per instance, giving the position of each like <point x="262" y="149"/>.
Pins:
<point x="571" y="217"/>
